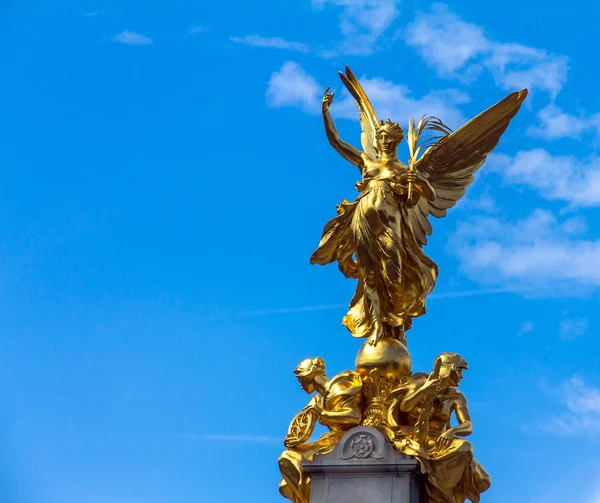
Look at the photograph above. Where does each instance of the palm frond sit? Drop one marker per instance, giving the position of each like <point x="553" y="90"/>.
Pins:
<point x="417" y="138"/>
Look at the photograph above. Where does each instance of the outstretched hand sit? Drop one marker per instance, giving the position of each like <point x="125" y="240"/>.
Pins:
<point x="327" y="99"/>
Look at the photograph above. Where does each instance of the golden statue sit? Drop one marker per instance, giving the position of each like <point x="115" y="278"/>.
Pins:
<point x="415" y="417"/>
<point x="423" y="411"/>
<point x="379" y="238"/>
<point x="336" y="405"/>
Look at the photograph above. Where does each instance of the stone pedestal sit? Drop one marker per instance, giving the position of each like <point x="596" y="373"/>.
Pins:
<point x="364" y="468"/>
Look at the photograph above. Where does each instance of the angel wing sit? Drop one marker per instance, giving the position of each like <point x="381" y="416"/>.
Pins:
<point x="450" y="163"/>
<point x="368" y="119"/>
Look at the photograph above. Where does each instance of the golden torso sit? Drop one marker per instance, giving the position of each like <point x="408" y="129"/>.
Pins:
<point x="440" y="420"/>
<point x="380" y="168"/>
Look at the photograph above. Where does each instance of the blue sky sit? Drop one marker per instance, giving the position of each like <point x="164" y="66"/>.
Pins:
<point x="165" y="178"/>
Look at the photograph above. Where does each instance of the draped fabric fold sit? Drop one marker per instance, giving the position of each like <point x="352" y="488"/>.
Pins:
<point x="372" y="240"/>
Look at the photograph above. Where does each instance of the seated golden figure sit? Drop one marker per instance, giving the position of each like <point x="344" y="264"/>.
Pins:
<point x="423" y="410"/>
<point x="336" y="405"/>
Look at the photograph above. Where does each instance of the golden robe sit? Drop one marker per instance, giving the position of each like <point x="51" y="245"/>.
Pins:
<point x="372" y="240"/>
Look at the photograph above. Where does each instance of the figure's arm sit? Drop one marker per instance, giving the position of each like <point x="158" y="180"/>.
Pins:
<point x="346" y="150"/>
<point x="349" y="415"/>
<point x="464" y="428"/>
<point x="416" y="396"/>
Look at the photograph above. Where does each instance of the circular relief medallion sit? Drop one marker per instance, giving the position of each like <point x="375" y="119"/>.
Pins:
<point x="362" y="446"/>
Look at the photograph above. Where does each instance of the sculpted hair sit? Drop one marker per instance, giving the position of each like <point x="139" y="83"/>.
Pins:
<point x="393" y="128"/>
<point x="310" y="367"/>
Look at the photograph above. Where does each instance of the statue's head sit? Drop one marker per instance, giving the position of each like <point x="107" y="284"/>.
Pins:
<point x="388" y="136"/>
<point x="307" y="370"/>
<point x="451" y="368"/>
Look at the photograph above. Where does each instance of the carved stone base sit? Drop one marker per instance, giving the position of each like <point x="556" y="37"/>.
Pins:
<point x="364" y="468"/>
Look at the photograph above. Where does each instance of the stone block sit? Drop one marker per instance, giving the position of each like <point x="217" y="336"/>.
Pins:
<point x="364" y="468"/>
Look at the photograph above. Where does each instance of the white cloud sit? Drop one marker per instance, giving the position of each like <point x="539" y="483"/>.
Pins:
<point x="293" y="86"/>
<point x="458" y="49"/>
<point x="565" y="178"/>
<point x="397" y="102"/>
<point x="526" y="327"/>
<point x="453" y="294"/>
<point x="362" y="22"/>
<point x="537" y="254"/>
<point x="270" y="42"/>
<point x="482" y="202"/>
<point x="554" y="123"/>
<point x="218" y="437"/>
<point x="198" y="29"/>
<point x="582" y="402"/>
<point x="446" y="42"/>
<point x="515" y="66"/>
<point x="596" y="497"/>
<point x="131" y="38"/>
<point x="572" y="328"/>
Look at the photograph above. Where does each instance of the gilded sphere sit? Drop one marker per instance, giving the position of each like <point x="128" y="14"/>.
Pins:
<point x="389" y="357"/>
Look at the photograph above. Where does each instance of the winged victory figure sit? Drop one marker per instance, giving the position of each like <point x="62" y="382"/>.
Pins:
<point x="379" y="238"/>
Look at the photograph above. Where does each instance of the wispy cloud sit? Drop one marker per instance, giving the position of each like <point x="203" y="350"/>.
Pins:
<point x="481" y="203"/>
<point x="92" y="13"/>
<point x="291" y="310"/>
<point x="595" y="498"/>
<point x="554" y="123"/>
<point x="431" y="32"/>
<point x="573" y="328"/>
<point x="275" y="311"/>
<point x="270" y="43"/>
<point x="526" y="327"/>
<point x="326" y="307"/>
<point x="538" y="254"/>
<point x="462" y="50"/>
<point x="217" y="437"/>
<point x="470" y="293"/>
<point x="131" y="38"/>
<point x="582" y="415"/>
<point x="564" y="178"/>
<point x="362" y="22"/>
<point x="198" y="29"/>
<point x="397" y="101"/>
<point x="292" y="86"/>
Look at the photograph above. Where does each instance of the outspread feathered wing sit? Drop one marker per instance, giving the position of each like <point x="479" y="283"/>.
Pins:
<point x="450" y="163"/>
<point x="367" y="116"/>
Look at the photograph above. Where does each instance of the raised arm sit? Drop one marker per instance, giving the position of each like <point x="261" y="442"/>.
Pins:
<point x="346" y="150"/>
<point x="417" y="395"/>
